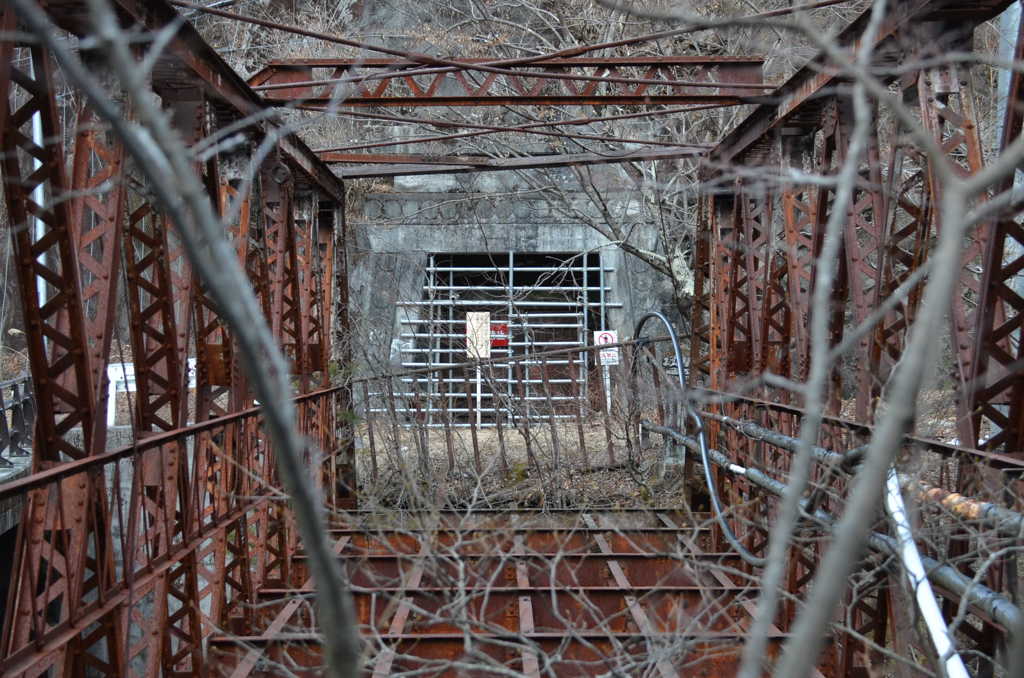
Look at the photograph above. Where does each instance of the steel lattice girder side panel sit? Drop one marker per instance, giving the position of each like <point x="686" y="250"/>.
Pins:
<point x="889" y="226"/>
<point x="159" y="290"/>
<point x="166" y="513"/>
<point x="995" y="393"/>
<point x="63" y="561"/>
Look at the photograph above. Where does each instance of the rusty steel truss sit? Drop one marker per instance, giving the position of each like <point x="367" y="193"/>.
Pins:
<point x="759" y="236"/>
<point x="176" y="554"/>
<point x="559" y="81"/>
<point x="128" y="560"/>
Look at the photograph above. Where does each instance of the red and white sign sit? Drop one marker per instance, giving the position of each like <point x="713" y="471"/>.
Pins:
<point x="608" y="356"/>
<point x="499" y="335"/>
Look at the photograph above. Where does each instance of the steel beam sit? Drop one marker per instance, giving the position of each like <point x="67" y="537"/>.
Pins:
<point x="578" y="81"/>
<point x="444" y="165"/>
<point x="64" y="555"/>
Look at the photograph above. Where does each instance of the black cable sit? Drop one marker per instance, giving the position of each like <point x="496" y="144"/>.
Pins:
<point x="716" y="505"/>
<point x="709" y="479"/>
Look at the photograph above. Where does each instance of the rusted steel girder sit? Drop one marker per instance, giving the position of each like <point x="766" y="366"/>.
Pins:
<point x="578" y="80"/>
<point x="994" y="395"/>
<point x="119" y="474"/>
<point x="161" y="292"/>
<point x="64" y="557"/>
<point x="392" y="166"/>
<point x="188" y="62"/>
<point x="793" y="110"/>
<point x="126" y="561"/>
<point x="888" y="228"/>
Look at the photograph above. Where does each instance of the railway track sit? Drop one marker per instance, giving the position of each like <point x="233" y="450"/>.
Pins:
<point x="566" y="593"/>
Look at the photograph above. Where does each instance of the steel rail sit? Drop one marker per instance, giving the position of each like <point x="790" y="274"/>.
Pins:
<point x="92" y="464"/>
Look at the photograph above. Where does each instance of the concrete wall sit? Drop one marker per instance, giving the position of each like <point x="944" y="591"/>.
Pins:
<point x="397" y="230"/>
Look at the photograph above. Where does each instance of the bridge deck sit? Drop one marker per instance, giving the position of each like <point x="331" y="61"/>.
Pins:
<point x="562" y="592"/>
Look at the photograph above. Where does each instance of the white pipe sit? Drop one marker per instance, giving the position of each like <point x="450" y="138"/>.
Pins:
<point x="953" y="666"/>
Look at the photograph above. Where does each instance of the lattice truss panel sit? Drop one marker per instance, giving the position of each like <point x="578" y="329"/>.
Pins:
<point x="128" y="560"/>
<point x="756" y="265"/>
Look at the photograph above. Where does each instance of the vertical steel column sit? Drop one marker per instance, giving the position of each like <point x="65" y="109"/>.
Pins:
<point x="275" y="187"/>
<point x="226" y="454"/>
<point x="720" y="210"/>
<point x="907" y="237"/>
<point x="803" y="243"/>
<point x="97" y="211"/>
<point x="293" y="314"/>
<point x="700" y="311"/>
<point x="276" y="195"/>
<point x="737" y="318"/>
<point x="827" y="161"/>
<point x="756" y="213"/>
<point x="863" y="246"/>
<point x="947" y="112"/>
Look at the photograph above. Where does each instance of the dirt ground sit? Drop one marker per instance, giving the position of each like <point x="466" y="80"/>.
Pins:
<point x="571" y="475"/>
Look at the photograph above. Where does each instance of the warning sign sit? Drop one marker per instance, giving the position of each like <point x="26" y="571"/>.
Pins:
<point x="608" y="356"/>
<point x="478" y="331"/>
<point x="499" y="335"/>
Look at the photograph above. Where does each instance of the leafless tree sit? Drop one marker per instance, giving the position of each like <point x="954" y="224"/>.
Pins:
<point x="438" y="473"/>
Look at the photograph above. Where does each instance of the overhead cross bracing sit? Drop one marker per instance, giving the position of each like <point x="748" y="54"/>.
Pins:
<point x="177" y="553"/>
<point x="603" y="81"/>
